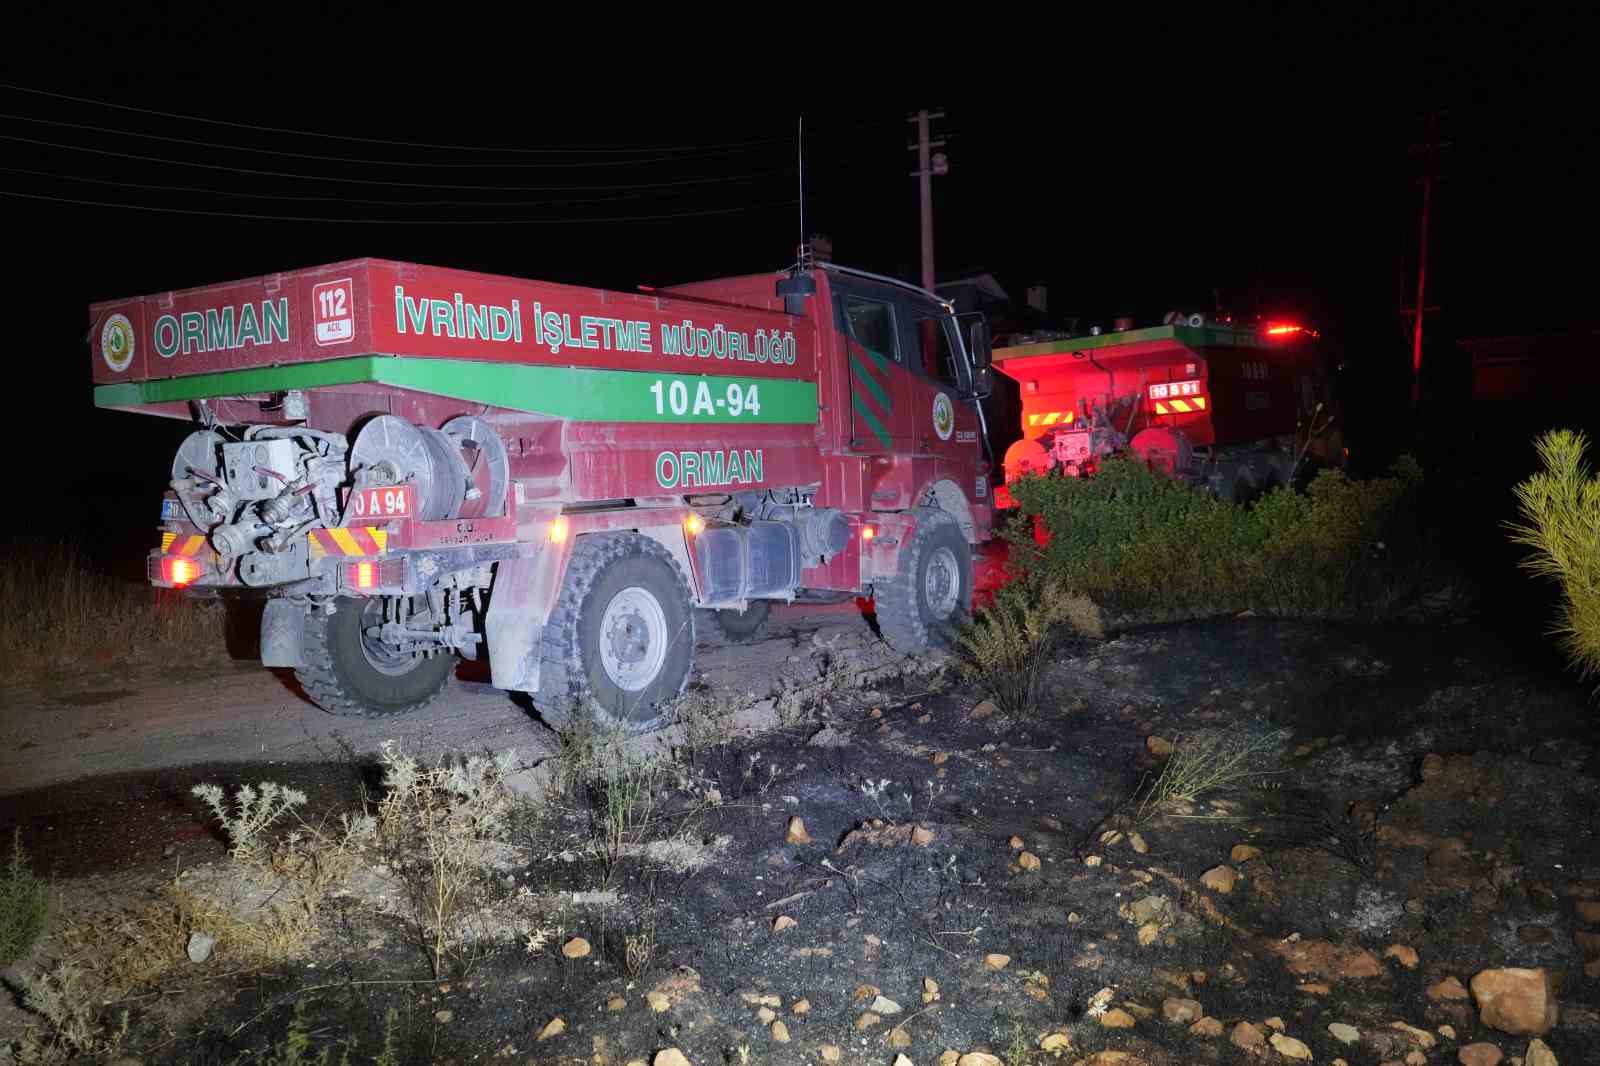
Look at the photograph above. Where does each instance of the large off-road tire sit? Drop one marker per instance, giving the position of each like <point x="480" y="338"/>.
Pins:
<point x="346" y="673"/>
<point x="736" y="627"/>
<point x="930" y="595"/>
<point x="619" y="644"/>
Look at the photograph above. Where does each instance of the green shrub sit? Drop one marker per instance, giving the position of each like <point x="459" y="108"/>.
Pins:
<point x="1561" y="510"/>
<point x="1136" y="542"/>
<point x="24" y="905"/>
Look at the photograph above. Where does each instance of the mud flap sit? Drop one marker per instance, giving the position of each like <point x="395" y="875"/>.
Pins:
<point x="512" y="626"/>
<point x="283" y="624"/>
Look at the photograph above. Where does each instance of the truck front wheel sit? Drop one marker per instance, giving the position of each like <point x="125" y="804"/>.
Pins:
<point x="346" y="670"/>
<point x="931" y="593"/>
<point x="619" y="644"/>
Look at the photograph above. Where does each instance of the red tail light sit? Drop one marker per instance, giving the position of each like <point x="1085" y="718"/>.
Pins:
<point x="179" y="570"/>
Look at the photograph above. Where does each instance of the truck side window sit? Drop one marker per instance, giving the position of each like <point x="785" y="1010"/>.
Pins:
<point x="937" y="355"/>
<point x="872" y="325"/>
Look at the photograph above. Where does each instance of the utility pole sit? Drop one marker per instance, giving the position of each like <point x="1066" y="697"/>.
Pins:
<point x="929" y="163"/>
<point x="1428" y="150"/>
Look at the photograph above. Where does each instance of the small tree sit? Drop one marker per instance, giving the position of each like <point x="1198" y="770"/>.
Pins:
<point x="1561" y="510"/>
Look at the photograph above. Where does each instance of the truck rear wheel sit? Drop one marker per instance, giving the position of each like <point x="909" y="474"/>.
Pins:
<point x="931" y="594"/>
<point x="739" y="627"/>
<point x="346" y="671"/>
<point x="619" y="644"/>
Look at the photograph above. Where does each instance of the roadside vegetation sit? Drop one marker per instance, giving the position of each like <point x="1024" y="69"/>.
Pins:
<point x="1560" y="508"/>
<point x="57" y="610"/>
<point x="24" y="905"/>
<point x="1144" y="547"/>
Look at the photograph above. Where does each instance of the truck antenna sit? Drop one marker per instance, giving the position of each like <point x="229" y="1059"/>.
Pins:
<point x="800" y="151"/>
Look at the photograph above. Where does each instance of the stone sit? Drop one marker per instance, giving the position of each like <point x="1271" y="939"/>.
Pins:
<point x="1180" y="1011"/>
<point x="983" y="710"/>
<point x="1315" y="988"/>
<point x="670" y="1057"/>
<point x="885" y="1005"/>
<point x="930" y="990"/>
<point x="921" y="836"/>
<point x="979" y="1058"/>
<point x="1220" y="879"/>
<point x="796" y="833"/>
<point x="780" y="1032"/>
<point x="1207" y="1027"/>
<point x="767" y="1015"/>
<point x="899" y="1039"/>
<point x="1248" y="1037"/>
<point x="831" y="1053"/>
<point x="1137" y="843"/>
<point x="616" y="1003"/>
<point x="552" y="1029"/>
<point x="1160" y="747"/>
<point x="801" y="1008"/>
<point x="782" y="922"/>
<point x="444" y="1017"/>
<point x="949" y="1057"/>
<point x="659" y="1002"/>
<point x="1447" y="1031"/>
<point x="1117" y="1018"/>
<point x="1244" y="853"/>
<point x="1054" y="1042"/>
<point x="200" y="946"/>
<point x="1480" y="1055"/>
<point x="867" y="1021"/>
<point x="576" y="948"/>
<point x="1290" y="1048"/>
<point x="1275" y="1023"/>
<point x="1016" y="843"/>
<point x="996" y="961"/>
<point x="1450" y="988"/>
<point x="1345" y="1034"/>
<point x="1358" y="963"/>
<point x="1028" y="861"/>
<point x="1539" y="1054"/>
<point x="1092" y="860"/>
<point x="1588" y="910"/>
<point x="901" y="1060"/>
<point x="1515" y="1000"/>
<point x="1404" y="954"/>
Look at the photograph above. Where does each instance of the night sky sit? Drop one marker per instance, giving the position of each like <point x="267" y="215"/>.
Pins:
<point x="1131" y="169"/>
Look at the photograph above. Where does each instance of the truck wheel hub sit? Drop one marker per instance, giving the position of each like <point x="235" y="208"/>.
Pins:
<point x="940" y="584"/>
<point x="633" y="639"/>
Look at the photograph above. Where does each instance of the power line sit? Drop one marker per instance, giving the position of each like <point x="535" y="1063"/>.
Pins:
<point x="378" y="181"/>
<point x="709" y="154"/>
<point x="396" y="221"/>
<point x="376" y="140"/>
<point x="309" y="199"/>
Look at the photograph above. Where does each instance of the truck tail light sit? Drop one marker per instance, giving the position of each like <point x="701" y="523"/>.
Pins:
<point x="868" y="532"/>
<point x="179" y="570"/>
<point x="558" y="530"/>
<point x="368" y="576"/>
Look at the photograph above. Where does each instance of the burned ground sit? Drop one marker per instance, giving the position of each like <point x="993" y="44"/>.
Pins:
<point x="1421" y="789"/>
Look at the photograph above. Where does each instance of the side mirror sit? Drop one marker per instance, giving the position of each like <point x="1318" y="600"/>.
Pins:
<point x="978" y="349"/>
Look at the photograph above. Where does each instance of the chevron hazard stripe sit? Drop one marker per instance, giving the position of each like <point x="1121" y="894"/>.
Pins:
<point x="347" y="541"/>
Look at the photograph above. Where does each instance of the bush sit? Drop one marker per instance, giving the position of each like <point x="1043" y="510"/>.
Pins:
<point x="1560" y="506"/>
<point x="1005" y="649"/>
<point x="1137" y="542"/>
<point x="24" y="905"/>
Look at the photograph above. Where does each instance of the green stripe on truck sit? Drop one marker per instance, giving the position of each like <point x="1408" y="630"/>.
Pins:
<point x="582" y="394"/>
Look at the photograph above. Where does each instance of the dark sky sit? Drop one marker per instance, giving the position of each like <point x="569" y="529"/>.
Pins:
<point x="1130" y="168"/>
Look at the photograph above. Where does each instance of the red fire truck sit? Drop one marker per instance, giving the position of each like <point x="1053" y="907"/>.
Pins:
<point x="416" y="463"/>
<point x="1232" y="410"/>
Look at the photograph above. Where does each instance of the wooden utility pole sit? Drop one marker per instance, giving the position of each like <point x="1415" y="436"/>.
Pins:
<point x="1428" y="150"/>
<point x="929" y="163"/>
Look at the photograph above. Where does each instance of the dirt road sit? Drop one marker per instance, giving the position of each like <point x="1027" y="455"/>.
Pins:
<point x="245" y="714"/>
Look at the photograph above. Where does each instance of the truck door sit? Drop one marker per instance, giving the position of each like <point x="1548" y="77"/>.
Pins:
<point x="938" y="389"/>
<point x="872" y="334"/>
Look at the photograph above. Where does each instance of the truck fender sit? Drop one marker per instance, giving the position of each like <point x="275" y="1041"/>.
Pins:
<point x="283" y="623"/>
<point x="948" y="497"/>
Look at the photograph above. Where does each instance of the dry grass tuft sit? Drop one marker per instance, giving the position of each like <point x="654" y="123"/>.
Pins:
<point x="1561" y="510"/>
<point x="24" y="904"/>
<point x="1005" y="649"/>
<point x="1211" y="761"/>
<point x="54" y="606"/>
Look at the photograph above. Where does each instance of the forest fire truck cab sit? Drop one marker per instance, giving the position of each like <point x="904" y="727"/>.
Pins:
<point x="416" y="463"/>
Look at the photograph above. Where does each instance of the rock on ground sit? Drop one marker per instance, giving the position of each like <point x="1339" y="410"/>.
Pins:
<point x="1517" y="1001"/>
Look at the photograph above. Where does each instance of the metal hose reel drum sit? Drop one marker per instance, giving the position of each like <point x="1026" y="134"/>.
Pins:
<point x="488" y="466"/>
<point x="199" y="460"/>
<point x="461" y="471"/>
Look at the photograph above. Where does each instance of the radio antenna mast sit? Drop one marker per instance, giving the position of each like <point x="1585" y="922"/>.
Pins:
<point x="800" y="151"/>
